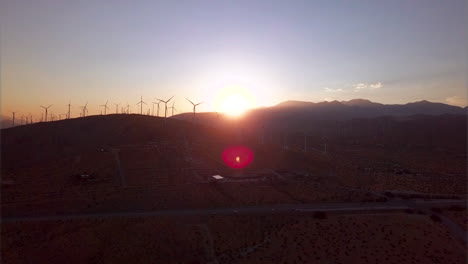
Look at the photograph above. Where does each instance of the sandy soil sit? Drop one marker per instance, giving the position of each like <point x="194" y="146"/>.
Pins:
<point x="396" y="238"/>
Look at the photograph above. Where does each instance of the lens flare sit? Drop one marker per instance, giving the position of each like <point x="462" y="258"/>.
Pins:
<point x="238" y="157"/>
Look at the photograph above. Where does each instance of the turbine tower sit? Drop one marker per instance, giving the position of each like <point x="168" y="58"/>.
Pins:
<point x="141" y="105"/>
<point x="173" y="108"/>
<point x="46" y="109"/>
<point x="105" y="107"/>
<point x="152" y="111"/>
<point x="116" y="108"/>
<point x="165" y="105"/>
<point x="160" y="101"/>
<point x="69" y="111"/>
<point x="13" y="120"/>
<point x="194" y="107"/>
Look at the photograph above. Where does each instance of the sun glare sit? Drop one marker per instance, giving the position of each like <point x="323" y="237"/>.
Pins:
<point x="234" y="105"/>
<point x="234" y="100"/>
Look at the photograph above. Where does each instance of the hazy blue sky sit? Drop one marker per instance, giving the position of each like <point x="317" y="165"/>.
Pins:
<point x="386" y="51"/>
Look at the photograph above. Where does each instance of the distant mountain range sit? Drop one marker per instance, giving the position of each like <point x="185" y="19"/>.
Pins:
<point x="299" y="114"/>
<point x="358" y="108"/>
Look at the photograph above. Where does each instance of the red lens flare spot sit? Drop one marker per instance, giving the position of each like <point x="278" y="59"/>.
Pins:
<point x="238" y="157"/>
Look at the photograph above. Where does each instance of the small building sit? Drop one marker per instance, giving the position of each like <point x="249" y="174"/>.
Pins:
<point x="218" y="177"/>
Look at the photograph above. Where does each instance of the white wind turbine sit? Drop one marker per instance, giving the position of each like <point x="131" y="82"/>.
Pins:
<point x="165" y="105"/>
<point x="194" y="107"/>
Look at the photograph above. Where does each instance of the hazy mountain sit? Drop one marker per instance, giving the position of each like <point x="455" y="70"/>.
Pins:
<point x="297" y="115"/>
<point x="362" y="103"/>
<point x="357" y="105"/>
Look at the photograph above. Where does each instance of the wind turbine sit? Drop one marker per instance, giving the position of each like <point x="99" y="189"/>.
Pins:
<point x="105" y="107"/>
<point x="46" y="108"/>
<point x="117" y="108"/>
<point x="152" y="111"/>
<point x="128" y="108"/>
<point x="69" y="112"/>
<point x="165" y="105"/>
<point x="141" y="105"/>
<point x="85" y="109"/>
<point x="160" y="101"/>
<point x="13" y="120"/>
<point x="194" y="107"/>
<point x="173" y="108"/>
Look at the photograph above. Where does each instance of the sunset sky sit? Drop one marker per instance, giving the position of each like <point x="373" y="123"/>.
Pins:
<point x="271" y="51"/>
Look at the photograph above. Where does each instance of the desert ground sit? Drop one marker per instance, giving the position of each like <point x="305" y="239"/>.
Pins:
<point x="141" y="190"/>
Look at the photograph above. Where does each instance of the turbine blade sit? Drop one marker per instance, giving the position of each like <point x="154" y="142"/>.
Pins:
<point x="190" y="101"/>
<point x="170" y="99"/>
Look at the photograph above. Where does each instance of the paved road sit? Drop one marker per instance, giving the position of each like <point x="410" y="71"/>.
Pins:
<point x="266" y="209"/>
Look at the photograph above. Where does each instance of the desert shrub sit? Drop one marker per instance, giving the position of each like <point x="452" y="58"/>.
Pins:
<point x="409" y="211"/>
<point x="437" y="210"/>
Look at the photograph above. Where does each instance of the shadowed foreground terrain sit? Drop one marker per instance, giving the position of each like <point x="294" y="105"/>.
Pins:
<point x="139" y="189"/>
<point x="374" y="238"/>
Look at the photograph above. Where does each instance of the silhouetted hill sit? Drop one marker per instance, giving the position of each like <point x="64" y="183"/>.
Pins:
<point x="423" y="107"/>
<point x="298" y="114"/>
<point x="362" y="103"/>
<point x="65" y="138"/>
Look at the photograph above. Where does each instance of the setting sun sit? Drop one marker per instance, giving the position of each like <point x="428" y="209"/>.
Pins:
<point x="234" y="105"/>
<point x="234" y="100"/>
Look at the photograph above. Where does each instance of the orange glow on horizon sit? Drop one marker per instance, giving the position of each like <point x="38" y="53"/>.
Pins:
<point x="234" y="101"/>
